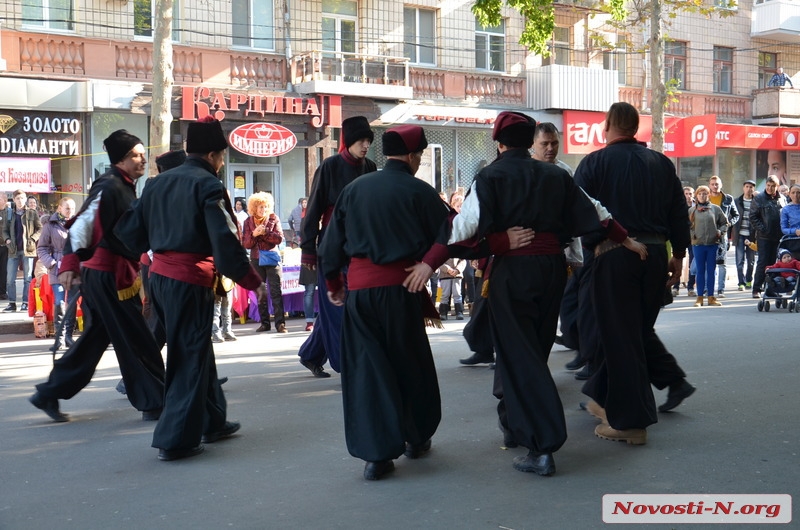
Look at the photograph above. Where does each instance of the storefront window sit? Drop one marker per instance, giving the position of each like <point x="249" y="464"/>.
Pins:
<point x="103" y="124"/>
<point x="695" y="170"/>
<point x="734" y="167"/>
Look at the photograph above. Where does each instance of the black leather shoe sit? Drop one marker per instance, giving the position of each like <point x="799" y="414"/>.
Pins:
<point x="416" y="451"/>
<point x="10" y="308"/>
<point x="478" y="358"/>
<point x="316" y="369"/>
<point x="68" y="341"/>
<point x="265" y="326"/>
<point x="508" y="437"/>
<point x="559" y="340"/>
<point x="375" y="470"/>
<point x="576" y="363"/>
<point x="584" y="374"/>
<point x="151" y="415"/>
<point x="676" y="395"/>
<point x="177" y="454"/>
<point x="227" y="430"/>
<point x="222" y="380"/>
<point x="541" y="464"/>
<point x="49" y="406"/>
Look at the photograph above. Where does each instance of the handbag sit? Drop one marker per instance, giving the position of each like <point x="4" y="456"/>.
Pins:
<point x="268" y="258"/>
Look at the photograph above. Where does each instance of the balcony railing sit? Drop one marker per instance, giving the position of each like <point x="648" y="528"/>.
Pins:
<point x="776" y="106"/>
<point x="377" y="76"/>
<point x="437" y="85"/>
<point x="689" y="104"/>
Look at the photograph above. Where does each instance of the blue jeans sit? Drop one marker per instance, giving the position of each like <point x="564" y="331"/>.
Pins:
<point x="705" y="257"/>
<point x="308" y="302"/>
<point x="743" y="252"/>
<point x="27" y="272"/>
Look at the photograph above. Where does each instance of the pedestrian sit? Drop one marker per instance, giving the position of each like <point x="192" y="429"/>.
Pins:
<point x="296" y="220"/>
<point x="389" y="385"/>
<point x="5" y="218"/>
<point x="640" y="188"/>
<point x="331" y="177"/>
<point x="50" y="250"/>
<point x="728" y="207"/>
<point x="741" y="232"/>
<point x="107" y="271"/>
<point x="21" y="233"/>
<point x="261" y="234"/>
<point x="709" y="225"/>
<point x="765" y="217"/>
<point x="202" y="241"/>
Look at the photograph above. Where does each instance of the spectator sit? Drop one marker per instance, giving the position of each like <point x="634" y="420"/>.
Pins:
<point x="296" y="219"/>
<point x="21" y="234"/>
<point x="741" y="232"/>
<point x="790" y="214"/>
<point x="765" y="216"/>
<point x="708" y="226"/>
<point x="262" y="232"/>
<point x="5" y="218"/>
<point x="50" y="250"/>
<point x="728" y="207"/>
<point x="780" y="79"/>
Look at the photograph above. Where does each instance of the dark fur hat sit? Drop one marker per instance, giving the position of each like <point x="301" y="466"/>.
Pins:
<point x="170" y="159"/>
<point x="118" y="144"/>
<point x="205" y="136"/>
<point x="356" y="128"/>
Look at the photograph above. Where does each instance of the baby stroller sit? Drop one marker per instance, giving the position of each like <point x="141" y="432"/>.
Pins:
<point x="782" y="290"/>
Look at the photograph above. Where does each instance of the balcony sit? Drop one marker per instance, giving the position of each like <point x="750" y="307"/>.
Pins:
<point x="350" y="74"/>
<point x="467" y="87"/>
<point x="728" y="108"/>
<point x="571" y="87"/>
<point x="777" y="20"/>
<point x="776" y="106"/>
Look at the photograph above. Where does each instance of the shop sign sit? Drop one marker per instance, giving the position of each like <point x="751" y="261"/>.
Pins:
<point x="199" y="102"/>
<point x="692" y="136"/>
<point x="262" y="139"/>
<point x="39" y="134"/>
<point x="29" y="174"/>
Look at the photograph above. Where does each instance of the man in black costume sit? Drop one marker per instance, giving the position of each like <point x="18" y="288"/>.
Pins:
<point x="201" y="243"/>
<point x="640" y="188"/>
<point x="108" y="273"/>
<point x="383" y="223"/>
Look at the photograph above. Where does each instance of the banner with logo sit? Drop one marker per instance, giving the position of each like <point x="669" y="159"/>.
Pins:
<point x="32" y="175"/>
<point x="262" y="139"/>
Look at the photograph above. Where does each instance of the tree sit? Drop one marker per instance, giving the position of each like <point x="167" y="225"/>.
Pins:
<point x="161" y="109"/>
<point x="540" y="22"/>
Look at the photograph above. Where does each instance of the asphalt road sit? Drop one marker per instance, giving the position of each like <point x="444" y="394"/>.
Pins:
<point x="289" y="467"/>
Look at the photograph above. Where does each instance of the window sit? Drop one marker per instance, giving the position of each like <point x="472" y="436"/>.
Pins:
<point x="490" y="45"/>
<point x="617" y="59"/>
<point x="727" y="4"/>
<point x="253" y="24"/>
<point x="143" y="21"/>
<point x="675" y="63"/>
<point x="723" y="70"/>
<point x="339" y="25"/>
<point x="419" y="35"/>
<point x="767" y="67"/>
<point x="50" y="14"/>
<point x="560" y="47"/>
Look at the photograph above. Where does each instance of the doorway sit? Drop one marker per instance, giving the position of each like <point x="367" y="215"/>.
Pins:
<point x="245" y="179"/>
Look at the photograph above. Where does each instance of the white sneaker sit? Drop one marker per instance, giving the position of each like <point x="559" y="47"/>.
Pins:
<point x="216" y="337"/>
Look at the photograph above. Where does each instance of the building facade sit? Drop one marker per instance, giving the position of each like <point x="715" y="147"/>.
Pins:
<point x="282" y="75"/>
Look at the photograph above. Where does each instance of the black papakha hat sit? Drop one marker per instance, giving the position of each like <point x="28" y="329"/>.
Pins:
<point x="356" y="128"/>
<point x="205" y="136"/>
<point x="514" y="129"/>
<point x="118" y="144"/>
<point x="170" y="159"/>
<point x="403" y="140"/>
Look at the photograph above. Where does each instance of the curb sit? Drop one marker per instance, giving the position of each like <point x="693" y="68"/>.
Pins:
<point x="17" y="328"/>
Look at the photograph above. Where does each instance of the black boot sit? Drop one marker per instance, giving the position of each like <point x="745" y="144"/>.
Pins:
<point x="69" y="328"/>
<point x="459" y="311"/>
<point x="263" y="312"/>
<point x="444" y="309"/>
<point x="58" y="326"/>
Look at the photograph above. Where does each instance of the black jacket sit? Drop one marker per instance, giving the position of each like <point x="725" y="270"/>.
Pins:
<point x="765" y="215"/>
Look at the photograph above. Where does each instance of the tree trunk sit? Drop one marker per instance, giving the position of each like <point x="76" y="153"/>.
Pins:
<point x="161" y="112"/>
<point x="659" y="90"/>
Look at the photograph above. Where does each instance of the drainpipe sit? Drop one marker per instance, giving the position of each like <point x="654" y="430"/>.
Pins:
<point x="287" y="22"/>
